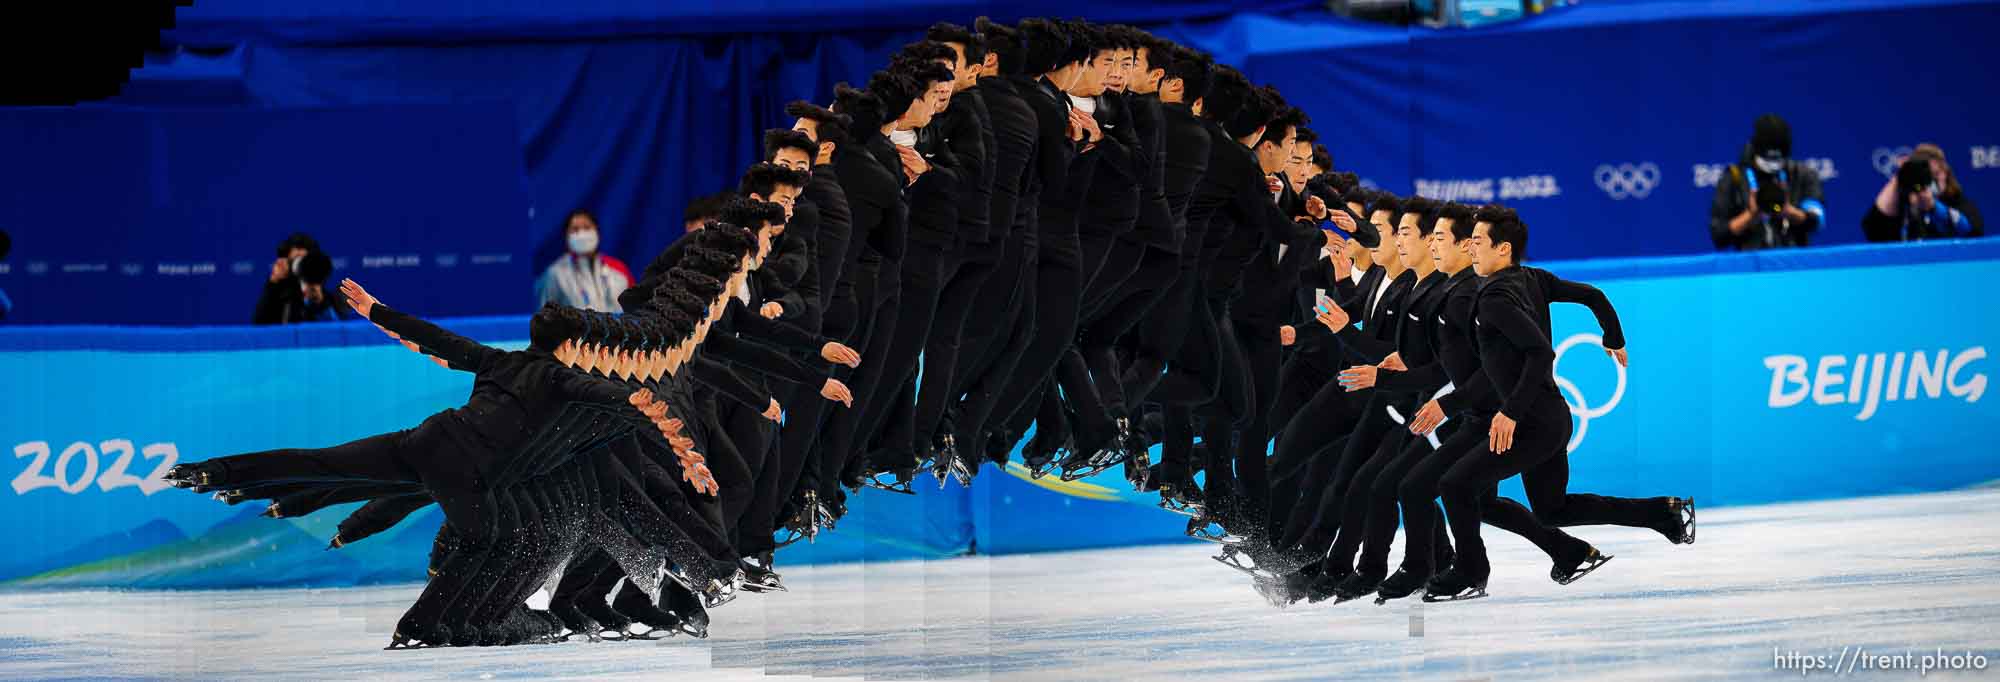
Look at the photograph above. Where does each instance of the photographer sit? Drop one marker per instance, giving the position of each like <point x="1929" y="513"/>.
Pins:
<point x="1922" y="201"/>
<point x="1767" y="200"/>
<point x="296" y="290"/>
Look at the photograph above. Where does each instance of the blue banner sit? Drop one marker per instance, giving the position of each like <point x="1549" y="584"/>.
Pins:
<point x="173" y="217"/>
<point x="1754" y="378"/>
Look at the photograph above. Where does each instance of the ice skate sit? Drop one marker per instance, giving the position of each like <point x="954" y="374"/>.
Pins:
<point x="648" y="621"/>
<point x="1356" y="586"/>
<point x="1400" y="584"/>
<point x="758" y="577"/>
<point x="1235" y="557"/>
<point x="1327" y="585"/>
<point x="1680" y="531"/>
<point x="196" y="476"/>
<point x="687" y="607"/>
<point x="1566" y="574"/>
<point x="1208" y="528"/>
<point x="903" y="477"/>
<point x="1453" y="585"/>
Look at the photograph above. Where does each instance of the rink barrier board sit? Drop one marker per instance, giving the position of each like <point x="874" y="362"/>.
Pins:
<point x="1756" y="378"/>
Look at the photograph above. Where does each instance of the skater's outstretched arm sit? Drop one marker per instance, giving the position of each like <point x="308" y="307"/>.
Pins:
<point x="1559" y="290"/>
<point x="462" y="353"/>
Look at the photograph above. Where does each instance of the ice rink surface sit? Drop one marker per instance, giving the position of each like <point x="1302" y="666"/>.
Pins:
<point x="1884" y="575"/>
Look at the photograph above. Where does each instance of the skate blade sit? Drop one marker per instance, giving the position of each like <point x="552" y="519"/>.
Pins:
<point x="764" y="588"/>
<point x="648" y="636"/>
<point x="1688" y="526"/>
<point x="410" y="645"/>
<point x="1589" y="565"/>
<point x="1467" y="594"/>
<point x="697" y="633"/>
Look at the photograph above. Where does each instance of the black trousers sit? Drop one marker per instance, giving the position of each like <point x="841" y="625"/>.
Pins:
<point x="1058" y="294"/>
<point x="1119" y="264"/>
<point x="1299" y="380"/>
<point x="842" y="435"/>
<point x="1368" y="508"/>
<point x="806" y="415"/>
<point x="1312" y="445"/>
<point x="923" y="282"/>
<point x="968" y="312"/>
<point x="1095" y="354"/>
<point x="1542" y="435"/>
<point x="1262" y="356"/>
<point x="994" y="365"/>
<point x="1547" y="486"/>
<point x="1419" y="489"/>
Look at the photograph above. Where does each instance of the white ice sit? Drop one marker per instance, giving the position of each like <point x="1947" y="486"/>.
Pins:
<point x="1883" y="575"/>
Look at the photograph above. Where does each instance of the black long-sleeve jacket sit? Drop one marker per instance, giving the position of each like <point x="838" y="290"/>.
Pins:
<point x="1013" y="154"/>
<point x="1188" y="143"/>
<point x="1477" y="393"/>
<point x="1513" y="351"/>
<point x="1242" y="219"/>
<point x="1063" y="171"/>
<point x="875" y="204"/>
<point x="834" y="250"/>
<point x="967" y="132"/>
<point x="1122" y="168"/>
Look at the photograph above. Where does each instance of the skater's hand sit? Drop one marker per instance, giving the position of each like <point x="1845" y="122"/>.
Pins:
<point x="1342" y="220"/>
<point x="640" y="398"/>
<point x="774" y="412"/>
<point x="699" y="477"/>
<point x="835" y="391"/>
<point x="1335" y="318"/>
<point x="1617" y="354"/>
<point x="1501" y="435"/>
<point x="1287" y="335"/>
<point x="1394" y="362"/>
<point x="1427" y="419"/>
<point x="281" y="269"/>
<point x="771" y="310"/>
<point x="914" y="164"/>
<point x="1316" y="207"/>
<point x="839" y="354"/>
<point x="1357" y="378"/>
<point x="1086" y="125"/>
<point x="357" y="298"/>
<point x="1342" y="267"/>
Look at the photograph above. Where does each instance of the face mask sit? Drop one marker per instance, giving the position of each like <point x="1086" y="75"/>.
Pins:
<point x="1770" y="164"/>
<point x="294" y="265"/>
<point x="583" y="242"/>
<point x="903" y="138"/>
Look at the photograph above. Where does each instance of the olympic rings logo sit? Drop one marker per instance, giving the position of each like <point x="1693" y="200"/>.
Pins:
<point x="1885" y="159"/>
<point x="1626" y="180"/>
<point x="1578" y="405"/>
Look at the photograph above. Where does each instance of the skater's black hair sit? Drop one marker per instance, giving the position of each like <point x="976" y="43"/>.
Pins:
<point x="925" y="51"/>
<point x="725" y="237"/>
<point x="1086" y="41"/>
<point x="701" y="285"/>
<point x="550" y="326"/>
<point x="1192" y="68"/>
<point x="894" y="93"/>
<point x="1123" y="37"/>
<point x="706" y="208"/>
<point x="1321" y="157"/>
<point x="1044" y="46"/>
<point x="749" y="212"/>
<point x="943" y="32"/>
<point x="925" y="73"/>
<point x="1461" y="219"/>
<point x="1228" y="92"/>
<point x="716" y="264"/>
<point x="1425" y="209"/>
<point x="1343" y="181"/>
<point x="1003" y="42"/>
<point x="1507" y="228"/>
<point x="777" y="139"/>
<point x="1384" y="201"/>
<point x="763" y="179"/>
<point x="832" y="126"/>
<point x="1284" y="119"/>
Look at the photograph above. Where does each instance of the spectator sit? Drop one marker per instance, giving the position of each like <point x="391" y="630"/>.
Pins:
<point x="582" y="277"/>
<point x="6" y="244"/>
<point x="1767" y="199"/>
<point x="296" y="290"/>
<point x="1923" y="181"/>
